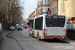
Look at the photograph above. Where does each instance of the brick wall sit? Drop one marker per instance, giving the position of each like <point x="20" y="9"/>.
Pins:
<point x="54" y="6"/>
<point x="32" y="15"/>
<point x="41" y="8"/>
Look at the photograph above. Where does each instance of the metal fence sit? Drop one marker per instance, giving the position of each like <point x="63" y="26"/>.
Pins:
<point x="71" y="31"/>
<point x="71" y="26"/>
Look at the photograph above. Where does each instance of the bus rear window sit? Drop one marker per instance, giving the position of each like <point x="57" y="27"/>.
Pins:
<point x="55" y="21"/>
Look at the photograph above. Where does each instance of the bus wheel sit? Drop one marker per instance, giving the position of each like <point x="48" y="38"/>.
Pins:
<point x="39" y="37"/>
<point x="32" y="35"/>
<point x="29" y="34"/>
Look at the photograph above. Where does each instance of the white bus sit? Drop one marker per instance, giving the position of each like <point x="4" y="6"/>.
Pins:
<point x="49" y="27"/>
<point x="30" y="26"/>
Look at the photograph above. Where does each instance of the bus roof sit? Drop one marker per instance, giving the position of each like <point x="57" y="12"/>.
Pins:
<point x="40" y="16"/>
<point x="31" y="19"/>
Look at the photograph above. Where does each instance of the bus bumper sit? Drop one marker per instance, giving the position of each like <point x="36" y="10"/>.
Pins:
<point x="62" y="37"/>
<point x="29" y="32"/>
<point x="51" y="37"/>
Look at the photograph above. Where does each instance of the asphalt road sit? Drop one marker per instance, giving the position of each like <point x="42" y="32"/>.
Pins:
<point x="27" y="42"/>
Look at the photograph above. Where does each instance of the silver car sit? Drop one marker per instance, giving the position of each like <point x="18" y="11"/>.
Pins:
<point x="12" y="28"/>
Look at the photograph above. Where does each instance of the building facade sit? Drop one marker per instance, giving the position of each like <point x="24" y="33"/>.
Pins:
<point x="54" y="6"/>
<point x="42" y="7"/>
<point x="66" y="7"/>
<point x="31" y="16"/>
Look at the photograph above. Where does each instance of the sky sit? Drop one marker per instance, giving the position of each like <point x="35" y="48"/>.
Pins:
<point x="29" y="6"/>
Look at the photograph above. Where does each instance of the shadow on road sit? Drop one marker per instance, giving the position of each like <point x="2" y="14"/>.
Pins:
<point x="55" y="41"/>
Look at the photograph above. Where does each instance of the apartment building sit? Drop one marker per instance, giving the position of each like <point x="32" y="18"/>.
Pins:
<point x="32" y="15"/>
<point x="42" y="7"/>
<point x="67" y="8"/>
<point x="54" y="6"/>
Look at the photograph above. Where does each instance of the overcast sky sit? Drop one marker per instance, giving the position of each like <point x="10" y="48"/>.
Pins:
<point x="29" y="6"/>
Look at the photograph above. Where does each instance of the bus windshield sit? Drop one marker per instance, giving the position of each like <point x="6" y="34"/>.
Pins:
<point x="55" y="21"/>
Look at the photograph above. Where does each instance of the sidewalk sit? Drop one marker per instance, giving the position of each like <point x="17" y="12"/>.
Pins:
<point x="1" y="34"/>
<point x="70" y="41"/>
<point x="8" y="43"/>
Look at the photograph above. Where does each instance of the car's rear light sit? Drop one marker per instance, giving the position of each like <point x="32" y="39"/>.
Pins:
<point x="43" y="31"/>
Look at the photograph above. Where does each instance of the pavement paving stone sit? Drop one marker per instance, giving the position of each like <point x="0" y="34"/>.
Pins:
<point x="70" y="41"/>
<point x="28" y="43"/>
<point x="8" y="43"/>
<point x="0" y="47"/>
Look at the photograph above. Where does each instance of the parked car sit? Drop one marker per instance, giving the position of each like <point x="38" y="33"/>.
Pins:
<point x="19" y="28"/>
<point x="12" y="28"/>
<point x="25" y="26"/>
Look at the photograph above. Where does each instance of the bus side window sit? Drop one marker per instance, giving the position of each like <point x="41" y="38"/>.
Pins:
<point x="39" y="23"/>
<point x="68" y="22"/>
<point x="28" y="25"/>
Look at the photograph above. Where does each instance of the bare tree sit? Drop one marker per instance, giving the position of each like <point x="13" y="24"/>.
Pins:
<point x="10" y="9"/>
<point x="15" y="12"/>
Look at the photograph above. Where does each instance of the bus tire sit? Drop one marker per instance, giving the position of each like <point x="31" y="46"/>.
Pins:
<point x="33" y="35"/>
<point x="29" y="34"/>
<point x="39" y="37"/>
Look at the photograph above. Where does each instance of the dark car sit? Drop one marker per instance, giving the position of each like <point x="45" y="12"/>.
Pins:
<point x="19" y="28"/>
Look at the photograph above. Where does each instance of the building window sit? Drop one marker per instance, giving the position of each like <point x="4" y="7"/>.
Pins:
<point x="45" y="9"/>
<point x="39" y="2"/>
<point x="43" y="1"/>
<point x="46" y="1"/>
<point x="39" y="11"/>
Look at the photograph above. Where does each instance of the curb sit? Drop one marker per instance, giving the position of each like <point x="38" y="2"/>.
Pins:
<point x="70" y="41"/>
<point x="73" y="43"/>
<point x="1" y="41"/>
<point x="1" y="31"/>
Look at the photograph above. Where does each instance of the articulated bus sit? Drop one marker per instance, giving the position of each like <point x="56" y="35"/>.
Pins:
<point x="48" y="27"/>
<point x="30" y="26"/>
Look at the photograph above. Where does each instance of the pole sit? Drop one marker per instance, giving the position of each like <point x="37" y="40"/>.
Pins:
<point x="9" y="14"/>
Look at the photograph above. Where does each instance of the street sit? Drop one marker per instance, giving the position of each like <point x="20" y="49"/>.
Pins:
<point x="23" y="20"/>
<point x="27" y="42"/>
